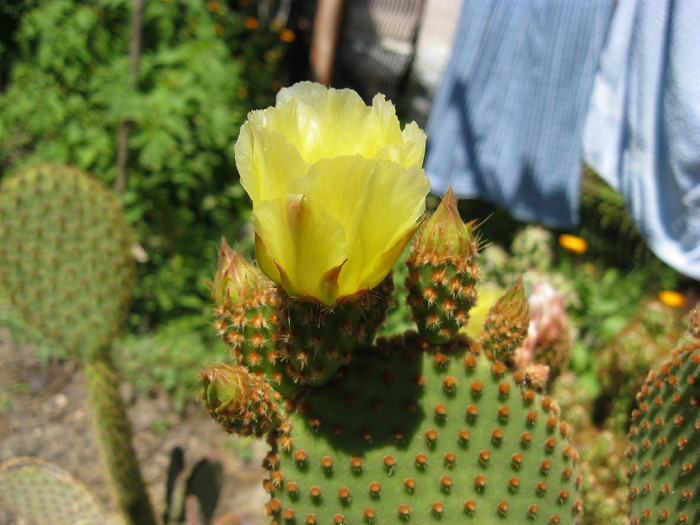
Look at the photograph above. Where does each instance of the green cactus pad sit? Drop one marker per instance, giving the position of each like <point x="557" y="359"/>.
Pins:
<point x="414" y="433"/>
<point x="317" y="341"/>
<point x="44" y="493"/>
<point x="663" y="469"/>
<point x="440" y="297"/>
<point x="65" y="258"/>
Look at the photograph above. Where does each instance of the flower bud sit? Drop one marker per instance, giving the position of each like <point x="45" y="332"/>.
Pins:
<point x="507" y="322"/>
<point x="442" y="273"/>
<point x="237" y="281"/>
<point x="242" y="402"/>
<point x="444" y="237"/>
<point x="222" y="386"/>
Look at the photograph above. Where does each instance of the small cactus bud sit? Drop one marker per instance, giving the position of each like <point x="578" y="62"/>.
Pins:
<point x="243" y="403"/>
<point x="236" y="281"/>
<point x="507" y="322"/>
<point x="221" y="386"/>
<point x="445" y="237"/>
<point x="443" y="273"/>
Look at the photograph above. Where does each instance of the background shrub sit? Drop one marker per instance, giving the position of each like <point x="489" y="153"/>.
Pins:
<point x="202" y="67"/>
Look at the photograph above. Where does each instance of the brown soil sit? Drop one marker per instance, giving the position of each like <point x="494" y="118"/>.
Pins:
<point x="43" y="413"/>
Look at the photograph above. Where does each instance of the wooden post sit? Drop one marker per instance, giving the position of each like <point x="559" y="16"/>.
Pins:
<point x="325" y="39"/>
<point x="125" y="127"/>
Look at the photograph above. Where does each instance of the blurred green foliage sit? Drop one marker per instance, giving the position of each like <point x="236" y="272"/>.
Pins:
<point x="168" y="358"/>
<point x="203" y="66"/>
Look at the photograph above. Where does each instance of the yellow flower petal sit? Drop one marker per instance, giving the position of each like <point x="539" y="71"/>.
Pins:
<point x="322" y="123"/>
<point x="671" y="298"/>
<point x="410" y="152"/>
<point x="266" y="161"/>
<point x="378" y="203"/>
<point x="573" y="243"/>
<point x="300" y="246"/>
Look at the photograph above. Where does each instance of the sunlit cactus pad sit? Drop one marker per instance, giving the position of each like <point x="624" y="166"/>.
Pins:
<point x="664" y="474"/>
<point x="65" y="257"/>
<point x="43" y="493"/>
<point x="414" y="433"/>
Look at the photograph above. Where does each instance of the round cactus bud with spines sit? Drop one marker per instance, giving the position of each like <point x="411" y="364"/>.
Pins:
<point x="442" y="273"/>
<point x="241" y="402"/>
<point x="414" y="433"/>
<point x="663" y="471"/>
<point x="65" y="257"/>
<point x="506" y="324"/>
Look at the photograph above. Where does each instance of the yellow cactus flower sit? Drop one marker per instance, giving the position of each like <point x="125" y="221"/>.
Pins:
<point x="671" y="298"/>
<point x="337" y="189"/>
<point x="573" y="243"/>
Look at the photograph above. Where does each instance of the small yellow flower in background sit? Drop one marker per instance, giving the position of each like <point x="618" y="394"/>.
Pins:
<point x="671" y="298"/>
<point x="573" y="243"/>
<point x="337" y="189"/>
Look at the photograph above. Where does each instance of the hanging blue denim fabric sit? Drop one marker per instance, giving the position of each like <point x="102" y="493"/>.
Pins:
<point x="507" y="120"/>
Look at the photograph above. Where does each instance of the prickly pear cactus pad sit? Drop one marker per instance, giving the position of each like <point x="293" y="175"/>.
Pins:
<point x="414" y="433"/>
<point x="65" y="257"/>
<point x="44" y="493"/>
<point x="663" y="469"/>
